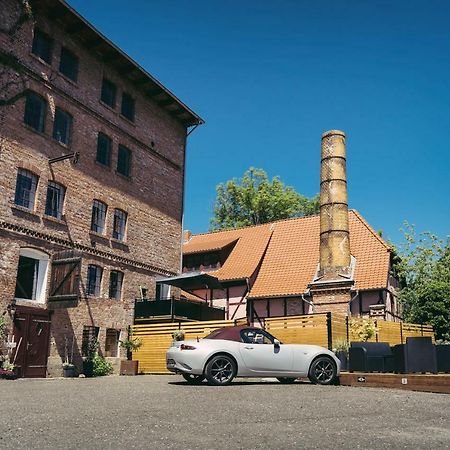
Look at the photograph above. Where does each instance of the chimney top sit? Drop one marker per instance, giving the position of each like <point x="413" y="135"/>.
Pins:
<point x="333" y="133"/>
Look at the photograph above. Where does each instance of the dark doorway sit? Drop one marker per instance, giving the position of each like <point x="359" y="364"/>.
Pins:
<point x="26" y="278"/>
<point x="32" y="337"/>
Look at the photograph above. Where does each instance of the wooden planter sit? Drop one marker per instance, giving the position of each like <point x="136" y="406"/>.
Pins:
<point x="128" y="367"/>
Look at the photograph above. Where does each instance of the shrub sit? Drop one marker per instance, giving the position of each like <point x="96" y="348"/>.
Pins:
<point x="101" y="366"/>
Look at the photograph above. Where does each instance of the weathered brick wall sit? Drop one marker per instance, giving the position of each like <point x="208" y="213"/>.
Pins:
<point x="152" y="196"/>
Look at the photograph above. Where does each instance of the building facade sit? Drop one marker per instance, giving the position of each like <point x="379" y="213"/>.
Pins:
<point x="92" y="155"/>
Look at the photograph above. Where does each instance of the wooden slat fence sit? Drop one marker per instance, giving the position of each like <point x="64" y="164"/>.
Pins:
<point x="156" y="339"/>
<point x="307" y="329"/>
<point x="324" y="329"/>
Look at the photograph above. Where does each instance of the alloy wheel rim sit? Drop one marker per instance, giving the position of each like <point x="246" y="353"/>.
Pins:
<point x="324" y="371"/>
<point x="222" y="370"/>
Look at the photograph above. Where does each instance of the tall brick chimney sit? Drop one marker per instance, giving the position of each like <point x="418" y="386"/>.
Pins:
<point x="330" y="288"/>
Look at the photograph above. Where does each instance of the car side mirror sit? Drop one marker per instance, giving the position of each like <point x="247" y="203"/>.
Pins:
<point x="276" y="343"/>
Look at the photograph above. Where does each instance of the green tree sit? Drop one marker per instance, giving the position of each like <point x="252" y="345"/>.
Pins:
<point x="254" y="199"/>
<point x="422" y="265"/>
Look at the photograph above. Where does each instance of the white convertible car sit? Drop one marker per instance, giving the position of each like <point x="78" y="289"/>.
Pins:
<point x="246" y="351"/>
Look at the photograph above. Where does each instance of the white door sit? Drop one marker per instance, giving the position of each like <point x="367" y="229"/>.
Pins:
<point x="260" y="355"/>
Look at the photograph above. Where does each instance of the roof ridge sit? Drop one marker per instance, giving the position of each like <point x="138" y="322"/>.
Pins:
<point x="255" y="226"/>
<point x="366" y="224"/>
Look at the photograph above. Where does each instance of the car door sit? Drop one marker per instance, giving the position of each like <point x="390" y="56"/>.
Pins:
<point x="261" y="356"/>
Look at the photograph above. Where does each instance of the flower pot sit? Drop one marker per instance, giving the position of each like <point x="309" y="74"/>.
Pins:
<point x="128" y="367"/>
<point x="88" y="368"/>
<point x="69" y="372"/>
<point x="343" y="358"/>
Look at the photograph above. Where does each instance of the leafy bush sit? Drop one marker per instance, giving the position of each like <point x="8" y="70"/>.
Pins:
<point x="101" y="366"/>
<point x="364" y="329"/>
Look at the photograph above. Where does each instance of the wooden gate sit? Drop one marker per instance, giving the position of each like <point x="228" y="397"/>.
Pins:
<point x="156" y="339"/>
<point x="32" y="336"/>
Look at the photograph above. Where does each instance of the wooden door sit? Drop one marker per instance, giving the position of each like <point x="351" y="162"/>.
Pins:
<point x="32" y="336"/>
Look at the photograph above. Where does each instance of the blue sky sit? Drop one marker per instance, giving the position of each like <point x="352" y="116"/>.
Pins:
<point x="269" y="76"/>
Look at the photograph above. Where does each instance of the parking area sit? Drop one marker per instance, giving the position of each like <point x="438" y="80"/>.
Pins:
<point x="164" y="412"/>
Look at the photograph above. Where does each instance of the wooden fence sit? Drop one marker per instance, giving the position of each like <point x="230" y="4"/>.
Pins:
<point x="156" y="339"/>
<point x="324" y="329"/>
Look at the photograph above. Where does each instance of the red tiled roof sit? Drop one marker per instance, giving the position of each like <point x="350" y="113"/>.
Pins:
<point x="288" y="251"/>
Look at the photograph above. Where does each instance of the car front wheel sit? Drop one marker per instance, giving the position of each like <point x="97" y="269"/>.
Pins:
<point x="193" y="379"/>
<point x="220" y="370"/>
<point x="322" y="371"/>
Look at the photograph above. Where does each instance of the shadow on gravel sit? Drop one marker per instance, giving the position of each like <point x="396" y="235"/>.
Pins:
<point x="239" y="383"/>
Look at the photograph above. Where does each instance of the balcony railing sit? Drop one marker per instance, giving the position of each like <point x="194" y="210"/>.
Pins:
<point x="172" y="309"/>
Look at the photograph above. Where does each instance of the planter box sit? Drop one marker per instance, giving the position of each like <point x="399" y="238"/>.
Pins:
<point x="343" y="358"/>
<point x="129" y="367"/>
<point x="69" y="372"/>
<point x="443" y="358"/>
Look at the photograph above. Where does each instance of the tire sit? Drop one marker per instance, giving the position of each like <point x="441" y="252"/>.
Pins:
<point x="220" y="370"/>
<point x="286" y="380"/>
<point x="193" y="379"/>
<point x="322" y="371"/>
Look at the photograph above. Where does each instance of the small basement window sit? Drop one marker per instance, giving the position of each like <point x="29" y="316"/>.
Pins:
<point x="90" y="339"/>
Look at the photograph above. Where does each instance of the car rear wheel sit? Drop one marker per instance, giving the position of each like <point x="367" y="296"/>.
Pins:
<point x="220" y="370"/>
<point x="322" y="371"/>
<point x="193" y="379"/>
<point x="286" y="380"/>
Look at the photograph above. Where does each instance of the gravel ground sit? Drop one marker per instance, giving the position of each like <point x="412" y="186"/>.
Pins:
<point x="161" y="412"/>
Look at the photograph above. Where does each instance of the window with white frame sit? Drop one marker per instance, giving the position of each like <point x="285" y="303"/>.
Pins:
<point x="98" y="216"/>
<point x="55" y="199"/>
<point x="119" y="224"/>
<point x="94" y="280"/>
<point x="26" y="184"/>
<point x="32" y="271"/>
<point x="115" y="284"/>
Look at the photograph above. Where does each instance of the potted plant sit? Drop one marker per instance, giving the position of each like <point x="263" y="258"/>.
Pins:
<point x="7" y="370"/>
<point x="90" y="351"/>
<point x="69" y="369"/>
<point x="341" y="350"/>
<point x="132" y="344"/>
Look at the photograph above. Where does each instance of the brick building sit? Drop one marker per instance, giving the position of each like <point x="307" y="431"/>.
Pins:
<point x="92" y="152"/>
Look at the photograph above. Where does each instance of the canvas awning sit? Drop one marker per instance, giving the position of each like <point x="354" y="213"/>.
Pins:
<point x="192" y="281"/>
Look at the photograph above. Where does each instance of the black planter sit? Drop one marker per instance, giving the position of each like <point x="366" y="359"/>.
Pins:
<point x="343" y="358"/>
<point x="443" y="358"/>
<point x="88" y="368"/>
<point x="69" y="372"/>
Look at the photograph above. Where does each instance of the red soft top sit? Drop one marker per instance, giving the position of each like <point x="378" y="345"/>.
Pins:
<point x="228" y="333"/>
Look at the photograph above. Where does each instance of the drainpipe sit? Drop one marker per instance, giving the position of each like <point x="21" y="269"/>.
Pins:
<point x="349" y="310"/>
<point x="309" y="302"/>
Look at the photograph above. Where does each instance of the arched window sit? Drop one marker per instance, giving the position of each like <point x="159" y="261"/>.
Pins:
<point x="32" y="273"/>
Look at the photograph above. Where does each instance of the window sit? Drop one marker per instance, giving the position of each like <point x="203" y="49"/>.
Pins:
<point x="31" y="275"/>
<point x="55" y="199"/>
<point x="115" y="284"/>
<point x="112" y="343"/>
<point x="62" y="126"/>
<point x="127" y="109"/>
<point x="256" y="336"/>
<point x="108" y="93"/>
<point x="90" y="340"/>
<point x="42" y="46"/>
<point x="104" y="145"/>
<point x="68" y="64"/>
<point x="119" y="223"/>
<point x="98" y="216"/>
<point x="124" y="161"/>
<point x="35" y="108"/>
<point x="25" y="189"/>
<point x="94" y="280"/>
